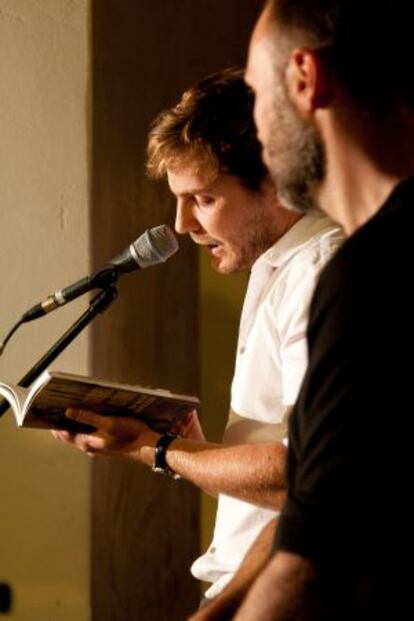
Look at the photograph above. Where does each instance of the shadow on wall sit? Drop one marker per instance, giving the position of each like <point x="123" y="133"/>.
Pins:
<point x="221" y="298"/>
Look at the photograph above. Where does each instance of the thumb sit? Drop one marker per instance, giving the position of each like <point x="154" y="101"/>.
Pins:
<point x="190" y="417"/>
<point x="86" y="416"/>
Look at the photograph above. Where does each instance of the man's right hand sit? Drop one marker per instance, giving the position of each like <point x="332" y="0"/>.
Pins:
<point x="189" y="428"/>
<point x="114" y="436"/>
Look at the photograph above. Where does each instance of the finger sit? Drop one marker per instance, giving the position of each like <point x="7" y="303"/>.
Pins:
<point x="88" y="417"/>
<point x="64" y="436"/>
<point x="186" y="422"/>
<point x="95" y="444"/>
<point x="196" y="617"/>
<point x="191" y="416"/>
<point x="89" y="444"/>
<point x="177" y="427"/>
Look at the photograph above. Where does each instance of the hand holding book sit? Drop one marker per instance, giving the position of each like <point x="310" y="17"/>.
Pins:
<point x="114" y="435"/>
<point x="43" y="405"/>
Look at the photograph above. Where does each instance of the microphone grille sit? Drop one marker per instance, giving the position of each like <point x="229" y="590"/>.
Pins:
<point x="154" y="246"/>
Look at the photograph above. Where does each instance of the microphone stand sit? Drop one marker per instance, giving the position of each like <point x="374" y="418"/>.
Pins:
<point x="98" y="304"/>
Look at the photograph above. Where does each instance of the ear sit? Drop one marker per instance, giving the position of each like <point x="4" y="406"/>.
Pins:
<point x="308" y="81"/>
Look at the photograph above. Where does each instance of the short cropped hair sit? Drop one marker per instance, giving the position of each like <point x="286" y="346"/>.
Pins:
<point x="368" y="43"/>
<point x="211" y="128"/>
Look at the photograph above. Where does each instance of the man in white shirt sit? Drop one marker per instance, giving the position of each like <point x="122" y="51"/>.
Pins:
<point x="207" y="148"/>
<point x="270" y="364"/>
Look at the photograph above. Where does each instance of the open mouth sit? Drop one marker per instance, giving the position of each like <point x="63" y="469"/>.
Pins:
<point x="213" y="248"/>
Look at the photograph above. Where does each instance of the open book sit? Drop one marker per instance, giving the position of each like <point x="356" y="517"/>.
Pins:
<point x="43" y="405"/>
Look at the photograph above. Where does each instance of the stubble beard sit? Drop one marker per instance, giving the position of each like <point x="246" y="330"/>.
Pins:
<point x="295" y="156"/>
<point x="252" y="241"/>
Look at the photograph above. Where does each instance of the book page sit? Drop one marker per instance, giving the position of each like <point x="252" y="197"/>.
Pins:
<point x="16" y="396"/>
<point x="159" y="408"/>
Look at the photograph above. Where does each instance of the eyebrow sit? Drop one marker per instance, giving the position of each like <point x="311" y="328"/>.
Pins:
<point x="192" y="191"/>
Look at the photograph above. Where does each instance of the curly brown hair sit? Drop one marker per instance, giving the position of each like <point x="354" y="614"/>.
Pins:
<point x="211" y="127"/>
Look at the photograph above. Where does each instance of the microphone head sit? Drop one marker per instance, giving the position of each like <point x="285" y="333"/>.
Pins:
<point x="154" y="246"/>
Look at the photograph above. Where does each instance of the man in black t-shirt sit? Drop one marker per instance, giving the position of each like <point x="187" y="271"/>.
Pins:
<point x="350" y="464"/>
<point x="335" y="113"/>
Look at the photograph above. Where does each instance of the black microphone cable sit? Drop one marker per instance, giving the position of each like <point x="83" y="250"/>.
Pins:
<point x="10" y="334"/>
<point x="154" y="246"/>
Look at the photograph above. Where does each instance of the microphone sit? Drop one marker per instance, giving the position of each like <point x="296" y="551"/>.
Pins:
<point x="154" y="246"/>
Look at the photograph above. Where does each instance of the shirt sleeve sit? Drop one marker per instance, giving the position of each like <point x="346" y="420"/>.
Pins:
<point x="292" y="318"/>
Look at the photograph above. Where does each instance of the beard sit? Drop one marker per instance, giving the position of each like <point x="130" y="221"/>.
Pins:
<point x="251" y="249"/>
<point x="243" y="250"/>
<point x="255" y="233"/>
<point x="295" y="155"/>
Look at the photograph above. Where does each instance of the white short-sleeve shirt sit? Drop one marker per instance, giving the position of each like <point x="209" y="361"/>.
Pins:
<point x="270" y="364"/>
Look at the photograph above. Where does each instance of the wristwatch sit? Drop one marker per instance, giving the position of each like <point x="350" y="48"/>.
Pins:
<point x="160" y="463"/>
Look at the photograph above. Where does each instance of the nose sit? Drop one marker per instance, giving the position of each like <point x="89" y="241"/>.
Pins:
<point x="185" y="221"/>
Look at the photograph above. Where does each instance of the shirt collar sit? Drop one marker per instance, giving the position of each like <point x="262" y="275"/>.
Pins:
<point x="298" y="235"/>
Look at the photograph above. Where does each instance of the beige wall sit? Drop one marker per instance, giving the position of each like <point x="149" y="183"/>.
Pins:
<point x="46" y="124"/>
<point x="145" y="527"/>
<point x="44" y="224"/>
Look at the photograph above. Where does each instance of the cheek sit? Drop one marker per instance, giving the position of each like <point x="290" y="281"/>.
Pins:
<point x="262" y="110"/>
<point x="214" y="219"/>
<point x="258" y="111"/>
<point x="206" y="221"/>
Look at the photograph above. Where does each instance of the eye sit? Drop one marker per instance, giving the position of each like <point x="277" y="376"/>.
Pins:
<point x="205" y="201"/>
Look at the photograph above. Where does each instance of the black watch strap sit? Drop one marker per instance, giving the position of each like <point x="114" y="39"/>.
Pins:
<point x="160" y="462"/>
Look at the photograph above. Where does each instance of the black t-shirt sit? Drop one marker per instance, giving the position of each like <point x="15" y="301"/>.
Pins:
<point x="351" y="446"/>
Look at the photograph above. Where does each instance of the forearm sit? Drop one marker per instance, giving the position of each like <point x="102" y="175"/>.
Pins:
<point x="287" y="590"/>
<point x="285" y="587"/>
<point x="250" y="472"/>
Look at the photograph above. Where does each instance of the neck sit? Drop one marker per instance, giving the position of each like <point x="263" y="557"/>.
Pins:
<point x="365" y="161"/>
